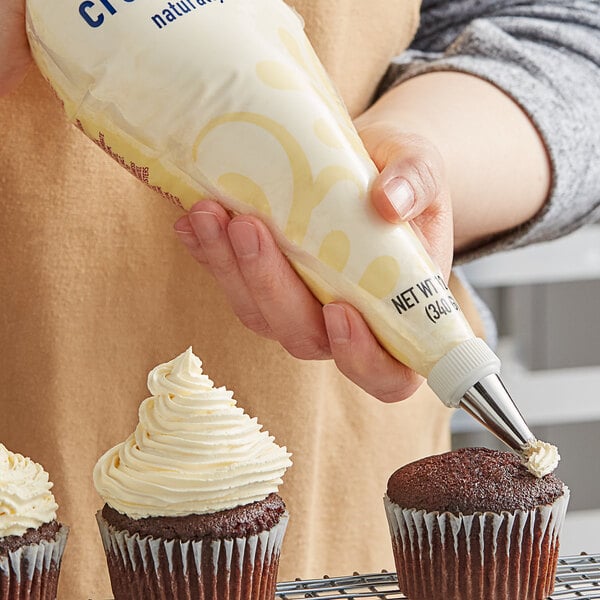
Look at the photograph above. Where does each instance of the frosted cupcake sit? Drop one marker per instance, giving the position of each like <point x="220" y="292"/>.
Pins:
<point x="191" y="505"/>
<point x="475" y="524"/>
<point x="32" y="541"/>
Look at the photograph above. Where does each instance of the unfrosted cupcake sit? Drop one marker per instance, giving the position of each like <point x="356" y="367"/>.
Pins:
<point x="32" y="541"/>
<point x="474" y="524"/>
<point x="191" y="505"/>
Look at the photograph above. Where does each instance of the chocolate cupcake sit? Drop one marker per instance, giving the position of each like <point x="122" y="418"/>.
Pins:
<point x="192" y="509"/>
<point x="32" y="541"/>
<point x="475" y="524"/>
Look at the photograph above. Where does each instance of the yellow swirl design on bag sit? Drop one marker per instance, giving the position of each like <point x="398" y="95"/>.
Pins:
<point x="326" y="134"/>
<point x="380" y="277"/>
<point x="308" y="192"/>
<point x="244" y="189"/>
<point x="335" y="250"/>
<point x="278" y="76"/>
<point x="321" y="85"/>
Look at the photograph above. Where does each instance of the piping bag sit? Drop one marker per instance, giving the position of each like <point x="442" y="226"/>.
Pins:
<point x="227" y="99"/>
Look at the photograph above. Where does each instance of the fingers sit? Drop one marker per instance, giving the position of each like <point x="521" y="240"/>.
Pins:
<point x="185" y="233"/>
<point x="359" y="356"/>
<point x="265" y="292"/>
<point x="289" y="307"/>
<point x="203" y="232"/>
<point x="211" y="228"/>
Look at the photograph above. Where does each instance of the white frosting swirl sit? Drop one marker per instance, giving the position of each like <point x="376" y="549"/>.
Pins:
<point x="26" y="501"/>
<point x="540" y="458"/>
<point x="193" y="452"/>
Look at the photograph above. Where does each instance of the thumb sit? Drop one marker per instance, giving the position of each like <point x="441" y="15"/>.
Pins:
<point x="412" y="186"/>
<point x="412" y="175"/>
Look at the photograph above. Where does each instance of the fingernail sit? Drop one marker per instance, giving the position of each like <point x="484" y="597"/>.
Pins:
<point x="206" y="225"/>
<point x="400" y="194"/>
<point x="182" y="225"/>
<point x="338" y="328"/>
<point x="244" y="239"/>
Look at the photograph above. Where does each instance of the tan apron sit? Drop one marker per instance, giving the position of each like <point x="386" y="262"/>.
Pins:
<point x="96" y="291"/>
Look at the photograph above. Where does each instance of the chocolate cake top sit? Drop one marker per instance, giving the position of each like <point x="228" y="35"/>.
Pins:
<point x="471" y="480"/>
<point x="46" y="531"/>
<point x="242" y="521"/>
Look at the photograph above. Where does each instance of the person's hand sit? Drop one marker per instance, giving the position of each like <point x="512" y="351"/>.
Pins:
<point x="270" y="298"/>
<point x="14" y="48"/>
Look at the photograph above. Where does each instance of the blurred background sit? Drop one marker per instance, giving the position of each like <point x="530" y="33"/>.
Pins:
<point x="546" y="302"/>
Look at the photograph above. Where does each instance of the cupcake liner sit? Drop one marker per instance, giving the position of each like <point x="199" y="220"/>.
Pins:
<point x="484" y="556"/>
<point x="148" y="568"/>
<point x="31" y="572"/>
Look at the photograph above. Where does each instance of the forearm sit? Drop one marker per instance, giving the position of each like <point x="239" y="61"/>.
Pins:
<point x="544" y="54"/>
<point x="497" y="165"/>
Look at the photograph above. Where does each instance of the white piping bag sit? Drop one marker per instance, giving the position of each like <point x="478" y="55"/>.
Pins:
<point x="227" y="99"/>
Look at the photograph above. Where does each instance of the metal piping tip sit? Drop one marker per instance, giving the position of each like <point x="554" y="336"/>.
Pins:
<point x="489" y="402"/>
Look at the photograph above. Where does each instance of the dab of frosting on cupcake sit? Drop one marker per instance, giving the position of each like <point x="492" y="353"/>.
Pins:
<point x="540" y="458"/>
<point x="193" y="452"/>
<point x="26" y="501"/>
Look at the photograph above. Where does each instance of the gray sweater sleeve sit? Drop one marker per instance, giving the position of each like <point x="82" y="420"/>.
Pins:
<point x="545" y="54"/>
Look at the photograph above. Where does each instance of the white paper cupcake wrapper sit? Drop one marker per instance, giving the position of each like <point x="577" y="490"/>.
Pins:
<point x="26" y="568"/>
<point x="158" y="568"/>
<point x="484" y="556"/>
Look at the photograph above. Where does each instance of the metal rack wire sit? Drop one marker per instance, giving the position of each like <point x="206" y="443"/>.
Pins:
<point x="577" y="577"/>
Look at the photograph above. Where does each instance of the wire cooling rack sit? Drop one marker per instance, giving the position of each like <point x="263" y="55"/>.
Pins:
<point x="577" y="577"/>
